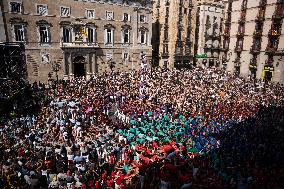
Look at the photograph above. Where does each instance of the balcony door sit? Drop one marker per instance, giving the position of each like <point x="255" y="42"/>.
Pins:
<point x="79" y="66"/>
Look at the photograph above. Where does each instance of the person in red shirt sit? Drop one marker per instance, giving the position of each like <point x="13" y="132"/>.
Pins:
<point x="98" y="185"/>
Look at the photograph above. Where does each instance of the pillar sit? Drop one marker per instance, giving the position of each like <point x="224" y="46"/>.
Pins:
<point x="88" y="64"/>
<point x="70" y="64"/>
<point x="93" y="63"/>
<point x="66" y="66"/>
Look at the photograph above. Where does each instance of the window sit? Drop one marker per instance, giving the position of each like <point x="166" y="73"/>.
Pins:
<point x="41" y="9"/>
<point x="185" y="10"/>
<point x="142" y="18"/>
<point x="90" y="14"/>
<point x="19" y="33"/>
<point x="125" y="56"/>
<point x="66" y="35"/>
<point x="165" y="49"/>
<point x="143" y="38"/>
<point x="109" y="36"/>
<point x="109" y="15"/>
<point x="125" y="36"/>
<point x="91" y="35"/>
<point x="65" y="11"/>
<point x="44" y="34"/>
<point x="126" y="17"/>
<point x="15" y="7"/>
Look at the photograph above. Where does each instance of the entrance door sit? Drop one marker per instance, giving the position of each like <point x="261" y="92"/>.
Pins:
<point x="79" y="66"/>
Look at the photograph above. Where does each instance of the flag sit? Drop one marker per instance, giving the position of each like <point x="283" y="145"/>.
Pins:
<point x="83" y="31"/>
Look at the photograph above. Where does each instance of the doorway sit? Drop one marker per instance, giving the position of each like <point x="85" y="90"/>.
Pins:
<point x="79" y="66"/>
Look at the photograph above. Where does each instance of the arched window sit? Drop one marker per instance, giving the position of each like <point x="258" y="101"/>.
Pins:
<point x="44" y="32"/>
<point x="143" y="32"/>
<point x="66" y="32"/>
<point x="19" y="29"/>
<point x="125" y="38"/>
<point x="109" y="34"/>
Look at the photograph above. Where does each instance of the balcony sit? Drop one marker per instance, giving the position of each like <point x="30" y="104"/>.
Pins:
<point x="271" y="50"/>
<point x="242" y="20"/>
<point x="255" y="49"/>
<point x="240" y="34"/>
<point x="277" y="16"/>
<point x="238" y="49"/>
<point x="260" y="18"/>
<point x="257" y="34"/>
<point x="79" y="45"/>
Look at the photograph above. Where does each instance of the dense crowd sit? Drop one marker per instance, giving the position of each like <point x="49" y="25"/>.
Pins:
<point x="198" y="128"/>
<point x="17" y="96"/>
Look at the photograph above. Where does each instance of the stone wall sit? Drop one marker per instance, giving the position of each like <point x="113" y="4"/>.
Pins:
<point x="38" y="70"/>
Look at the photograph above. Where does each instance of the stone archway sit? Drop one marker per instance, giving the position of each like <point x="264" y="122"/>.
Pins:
<point x="79" y="66"/>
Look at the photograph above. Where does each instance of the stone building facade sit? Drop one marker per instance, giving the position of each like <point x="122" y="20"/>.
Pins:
<point x="173" y="32"/>
<point x="253" y="39"/>
<point x="209" y="21"/>
<point x="84" y="37"/>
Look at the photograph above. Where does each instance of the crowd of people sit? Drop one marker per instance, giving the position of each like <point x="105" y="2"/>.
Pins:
<point x="17" y="96"/>
<point x="198" y="128"/>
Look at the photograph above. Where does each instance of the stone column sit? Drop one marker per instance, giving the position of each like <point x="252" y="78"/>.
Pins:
<point x="88" y="63"/>
<point x="66" y="66"/>
<point x="70" y="63"/>
<point x="93" y="63"/>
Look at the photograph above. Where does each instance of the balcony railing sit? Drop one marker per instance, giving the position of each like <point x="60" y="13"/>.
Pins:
<point x="238" y="49"/>
<point x="226" y="34"/>
<point x="257" y="33"/>
<point x="242" y="20"/>
<point x="260" y="18"/>
<point x="277" y="16"/>
<point x="79" y="44"/>
<point x="271" y="49"/>
<point x="240" y="34"/>
<point x="255" y="49"/>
